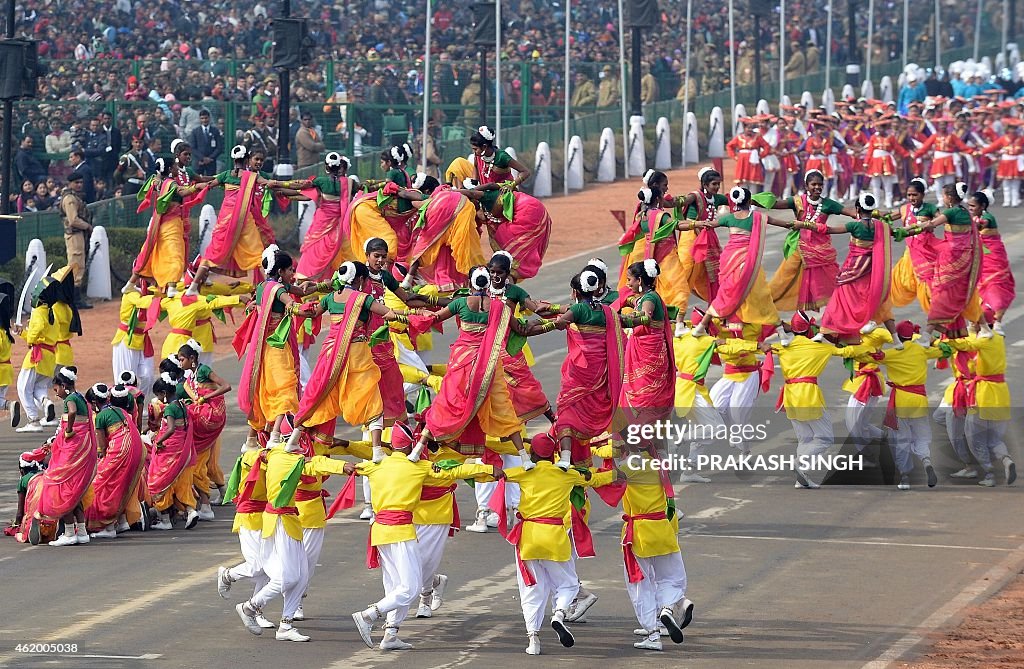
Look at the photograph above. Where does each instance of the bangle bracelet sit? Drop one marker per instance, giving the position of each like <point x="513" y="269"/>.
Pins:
<point x="323" y="286"/>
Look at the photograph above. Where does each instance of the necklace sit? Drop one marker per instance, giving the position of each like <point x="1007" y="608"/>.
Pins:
<point x="182" y="177"/>
<point x="814" y="211"/>
<point x="495" y="292"/>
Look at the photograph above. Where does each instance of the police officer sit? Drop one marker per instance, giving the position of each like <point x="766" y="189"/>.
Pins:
<point x="77" y="228"/>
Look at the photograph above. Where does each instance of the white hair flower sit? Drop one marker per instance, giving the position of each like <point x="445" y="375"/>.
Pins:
<point x="867" y="200"/>
<point x="600" y="264"/>
<point x="486" y="133"/>
<point x="506" y="254"/>
<point x="646" y="195"/>
<point x="738" y="195"/>
<point x="347" y="272"/>
<point x="651" y="268"/>
<point x="101" y="390"/>
<point x="194" y="345"/>
<point x="419" y="180"/>
<point x="120" y="391"/>
<point x="647" y="177"/>
<point x="269" y="258"/>
<point x="333" y="159"/>
<point x="480" y="278"/>
<point x="961" y="190"/>
<point x="238" y="152"/>
<point x="589" y="281"/>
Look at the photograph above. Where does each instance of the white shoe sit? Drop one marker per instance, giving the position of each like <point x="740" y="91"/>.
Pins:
<point x="681" y="330"/>
<point x="668" y="619"/>
<point x="50" y="411"/>
<point x="262" y="621"/>
<point x="997" y="327"/>
<point x="1010" y="469"/>
<point x="82" y="534"/>
<point x="364" y="627"/>
<point x="423" y="610"/>
<point x="33" y="426"/>
<point x="248" y="618"/>
<point x="686" y="608"/>
<point x="869" y="327"/>
<point x="299" y="614"/>
<point x="163" y="524"/>
<point x="640" y="631"/>
<point x="392" y="642"/>
<point x="214" y="495"/>
<point x="191" y="518"/>
<point x="437" y="596"/>
<point x="366" y="513"/>
<point x="965" y="473"/>
<point x="492" y="520"/>
<point x="480" y="525"/>
<point x="565" y="637"/>
<point x="289" y="633"/>
<point x="122" y="526"/>
<point x="648" y="644"/>
<point x="206" y="513"/>
<point x="580" y="607"/>
<point x="904" y="483"/>
<point x="805" y="481"/>
<point x="527" y="466"/>
<point x="65" y="540"/>
<point x="534" y="646"/>
<point x="989" y="481"/>
<point x="819" y="338"/>
<point x="223" y="582"/>
<point x="109" y="532"/>
<point x="699" y="331"/>
<point x="563" y="465"/>
<point x="693" y="477"/>
<point x="984" y="332"/>
<point x="128" y="288"/>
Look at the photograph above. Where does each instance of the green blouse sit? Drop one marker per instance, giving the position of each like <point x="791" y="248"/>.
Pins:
<point x="861" y="230"/>
<point x="957" y="216"/>
<point x="174" y="410"/>
<point x="76" y="398"/>
<point x="730" y="221"/>
<point x="584" y="314"/>
<point x="107" y="418"/>
<point x="332" y="306"/>
<point x="460" y="307"/>
<point x="652" y="297"/>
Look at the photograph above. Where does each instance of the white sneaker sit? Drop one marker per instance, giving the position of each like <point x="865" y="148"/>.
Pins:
<point x="904" y="483"/>
<point x="640" y="631"/>
<point x="423" y="610"/>
<point x="109" y="532"/>
<point x="392" y="642"/>
<point x="33" y="426"/>
<point x="648" y="644"/>
<point x="163" y="524"/>
<point x="82" y="534"/>
<point x="364" y="627"/>
<point x="1010" y="469"/>
<point x="50" y="411"/>
<point x="668" y="619"/>
<point x="214" y="495"/>
<point x="206" y="513"/>
<point x="65" y="540"/>
<point x="803" y="480"/>
<point x="527" y="466"/>
<point x="299" y="614"/>
<point x="262" y="621"/>
<point x="699" y="331"/>
<point x="989" y="481"/>
<point x="869" y="327"/>
<point x="191" y="518"/>
<point x="366" y="513"/>
<point x="492" y="520"/>
<point x="534" y="646"/>
<point x="997" y="327"/>
<point x="128" y="288"/>
<point x="984" y="332"/>
<point x="693" y="477"/>
<point x="289" y="633"/>
<point x="480" y="525"/>
<point x="437" y="596"/>
<point x="122" y="526"/>
<point x="965" y="473"/>
<point x="580" y="607"/>
<point x="565" y="637"/>
<point x="685" y="606"/>
<point x="248" y="617"/>
<point x="223" y="582"/>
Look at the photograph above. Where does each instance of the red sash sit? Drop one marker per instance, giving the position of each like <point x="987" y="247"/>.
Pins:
<point x="280" y="510"/>
<point x="872" y="385"/>
<point x="516" y="535"/>
<point x="181" y="331"/>
<point x="37" y="352"/>
<point x="972" y="386"/>
<point x="890" y="411"/>
<point x="434" y="492"/>
<point x="251" y="506"/>
<point x="795" y="379"/>
<point x="689" y="377"/>
<point x="628" y="557"/>
<point x="582" y="539"/>
<point x="346" y="498"/>
<point x="302" y="495"/>
<point x="147" y="341"/>
<point x="384" y="517"/>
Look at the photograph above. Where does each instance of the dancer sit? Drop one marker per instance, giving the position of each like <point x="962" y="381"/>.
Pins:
<point x="865" y="385"/>
<point x="648" y="388"/>
<point x="6" y="342"/>
<point x="517" y="223"/>
<point x="748" y="149"/>
<point x="912" y="275"/>
<point x="698" y="247"/>
<point x="492" y="165"/>
<point x="169" y="478"/>
<point x="996" y="286"/>
<point x="943" y="146"/>
<point x="1010" y="148"/>
<point x="121" y="463"/>
<point x="693" y="352"/>
<point x="133" y="346"/>
<point x="882" y="151"/>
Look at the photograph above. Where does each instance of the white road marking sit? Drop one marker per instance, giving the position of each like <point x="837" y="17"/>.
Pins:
<point x="850" y="542"/>
<point x="147" y="656"/>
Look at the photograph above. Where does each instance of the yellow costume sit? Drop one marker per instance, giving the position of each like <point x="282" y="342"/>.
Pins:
<point x="62" y="321"/>
<point x="908" y="367"/>
<point x="644" y="495"/>
<point x="41" y="337"/>
<point x="279" y="465"/>
<point x="254" y="520"/>
<point x="805" y="360"/>
<point x="192" y="321"/>
<point x="6" y="368"/>
<point x="689" y="351"/>
<point x="990" y="389"/>
<point x="130" y="302"/>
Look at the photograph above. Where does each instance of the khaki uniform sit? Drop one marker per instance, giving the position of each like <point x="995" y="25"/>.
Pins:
<point x="584" y="96"/>
<point x="608" y="93"/>
<point x="72" y="208"/>
<point x="648" y="89"/>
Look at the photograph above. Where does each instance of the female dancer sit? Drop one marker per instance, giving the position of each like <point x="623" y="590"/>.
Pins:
<point x="208" y="415"/>
<point x="492" y="165"/>
<point x="748" y="149"/>
<point x="698" y="248"/>
<point x="942" y="146"/>
<point x="263" y="196"/>
<point x="171" y="460"/>
<point x="517" y="223"/>
<point x="743" y="295"/>
<point x="912" y="274"/>
<point x="648" y="389"/>
<point x="321" y="249"/>
<point x="882" y="151"/>
<point x="807" y="276"/>
<point x="164" y="253"/>
<point x="397" y="211"/>
<point x="346" y="380"/>
<point x="61" y="492"/>
<point x="996" y="285"/>
<point x="121" y="463"/>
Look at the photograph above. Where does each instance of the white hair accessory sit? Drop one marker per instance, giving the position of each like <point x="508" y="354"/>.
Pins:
<point x="333" y="159"/>
<point x="961" y="190"/>
<point x="646" y="195"/>
<point x="347" y="272"/>
<point x="738" y="195"/>
<point x="921" y="183"/>
<point x="647" y="176"/>
<point x="809" y="173"/>
<point x="504" y="253"/>
<point x="479" y="278"/>
<point x="407" y="151"/>
<point x="867" y="200"/>
<point x="269" y="258"/>
<point x="69" y="373"/>
<point x="989" y="193"/>
<point x="589" y="281"/>
<point x="175" y="144"/>
<point x="597" y="262"/>
<point x="419" y="180"/>
<point x="238" y="152"/>
<point x="128" y="378"/>
<point x="194" y="345"/>
<point x="100" y="390"/>
<point x="396" y="153"/>
<point x="486" y="133"/>
<point x="120" y="391"/>
<point x="160" y="165"/>
<point x="651" y="268"/>
<point x="167" y="378"/>
<point x="174" y="360"/>
<point x="702" y="171"/>
<point x="470" y="184"/>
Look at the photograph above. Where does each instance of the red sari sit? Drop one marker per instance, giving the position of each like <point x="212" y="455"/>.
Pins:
<point x="392" y="385"/>
<point x="321" y="249"/>
<point x="525" y="235"/>
<point x="591" y="381"/>
<point x="649" y="385"/>
<point x="996" y="285"/>
<point x="208" y="419"/>
<point x="66" y="481"/>
<point x="168" y="462"/>
<point x="806" y="278"/>
<point x="862" y="286"/>
<point x="117" y="475"/>
<point x="954" y="284"/>
<point x="446" y="241"/>
<point x="741" y="268"/>
<point x="235" y="243"/>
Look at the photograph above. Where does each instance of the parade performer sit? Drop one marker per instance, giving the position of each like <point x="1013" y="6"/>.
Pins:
<point x="1010" y="148"/>
<point x="517" y="223"/>
<point x="996" y="286"/>
<point x="492" y="165"/>
<point x="748" y="149"/>
<point x="132" y="344"/>
<point x="818" y="148"/>
<point x="698" y="247"/>
<point x="693" y="354"/>
<point x="912" y="275"/>
<point x="882" y="151"/>
<point x="744" y="378"/>
<point x="398" y="212"/>
<point x="865" y="385"/>
<point x="6" y="342"/>
<point x="169" y="477"/>
<point x="943" y="147"/>
<point x="121" y="463"/>
<point x="191" y="317"/>
<point x="263" y="196"/>
<point x="63" y="491"/>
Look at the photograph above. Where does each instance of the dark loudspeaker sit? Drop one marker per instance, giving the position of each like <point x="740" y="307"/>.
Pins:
<point x="762" y="8"/>
<point x="20" y="69"/>
<point x="292" y="45"/>
<point x="642" y="13"/>
<point x="483" y="23"/>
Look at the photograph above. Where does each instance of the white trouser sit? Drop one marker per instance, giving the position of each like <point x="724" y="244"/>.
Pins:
<point x="813" y="437"/>
<point x="955" y="430"/>
<point x="769" y="180"/>
<point x="858" y="424"/>
<point x="304" y="369"/>
<point x="735" y="399"/>
<point x="663" y="585"/>
<point x="124" y="359"/>
<point x="882" y="186"/>
<point x="32" y="391"/>
<point x="206" y="358"/>
<point x="3" y="397"/>
<point x="400" y="564"/>
<point x="912" y="438"/>
<point x="255" y="551"/>
<point x="554" y="579"/>
<point x="483" y="491"/>
<point x="431" y="539"/>
<point x="286" y="567"/>
<point x="366" y="490"/>
<point x="939" y="183"/>
<point x="705" y="421"/>
<point x="985" y="439"/>
<point x="312" y="544"/>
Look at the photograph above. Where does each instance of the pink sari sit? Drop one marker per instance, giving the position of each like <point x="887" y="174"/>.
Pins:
<point x="318" y="257"/>
<point x="252" y="337"/>
<point x="176" y="210"/>
<point x="525" y="236"/>
<point x="392" y="385"/>
<point x="957" y="267"/>
<point x="117" y="475"/>
<point x="236" y="211"/>
<point x="741" y="262"/>
<point x="72" y="467"/>
<point x="996" y="284"/>
<point x="862" y="285"/>
<point x="649" y="385"/>
<point x="591" y="381"/>
<point x="168" y="462"/>
<point x="441" y="210"/>
<point x="208" y="419"/>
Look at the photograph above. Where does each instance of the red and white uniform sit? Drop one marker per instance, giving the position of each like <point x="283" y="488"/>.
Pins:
<point x="1011" y="156"/>
<point x="880" y="158"/>
<point x="945" y="147"/>
<point x="818" y="153"/>
<point x="748" y="151"/>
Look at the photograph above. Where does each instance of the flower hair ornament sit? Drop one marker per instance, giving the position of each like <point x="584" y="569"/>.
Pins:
<point x="419" y="180"/>
<point x="194" y="345"/>
<point x="961" y="190"/>
<point x="867" y="200"/>
<point x="269" y="258"/>
<point x="100" y="390"/>
<point x="346" y="274"/>
<point x="68" y="373"/>
<point x="486" y="133"/>
<point x="600" y="264"/>
<point x="238" y="152"/>
<point x="589" y="281"/>
<point x="480" y="278"/>
<point x="651" y="268"/>
<point x="647" y="177"/>
<point x="120" y="391"/>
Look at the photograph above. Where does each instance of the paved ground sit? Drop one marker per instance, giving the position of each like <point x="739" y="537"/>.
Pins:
<point x="847" y="576"/>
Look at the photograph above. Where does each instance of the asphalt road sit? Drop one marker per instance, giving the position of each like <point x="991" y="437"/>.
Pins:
<point x="846" y="576"/>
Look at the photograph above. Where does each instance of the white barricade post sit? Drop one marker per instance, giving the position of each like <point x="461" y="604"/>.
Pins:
<point x="828" y="100"/>
<point x="1014" y="55"/>
<point x="806" y="99"/>
<point x="306" y="211"/>
<point x="637" y="148"/>
<point x="886" y="89"/>
<point x="786" y="101"/>
<point x="762" y="107"/>
<point x="987" y="63"/>
<point x="542" y="171"/>
<point x="691" y="149"/>
<point x="606" y="156"/>
<point x="663" y="145"/>
<point x="35" y="269"/>
<point x="515" y="156"/>
<point x="716" y="134"/>
<point x="207" y="219"/>
<point x="574" y="175"/>
<point x="97" y="264"/>
<point x="867" y="89"/>
<point x="739" y="112"/>
<point x="848" y="92"/>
